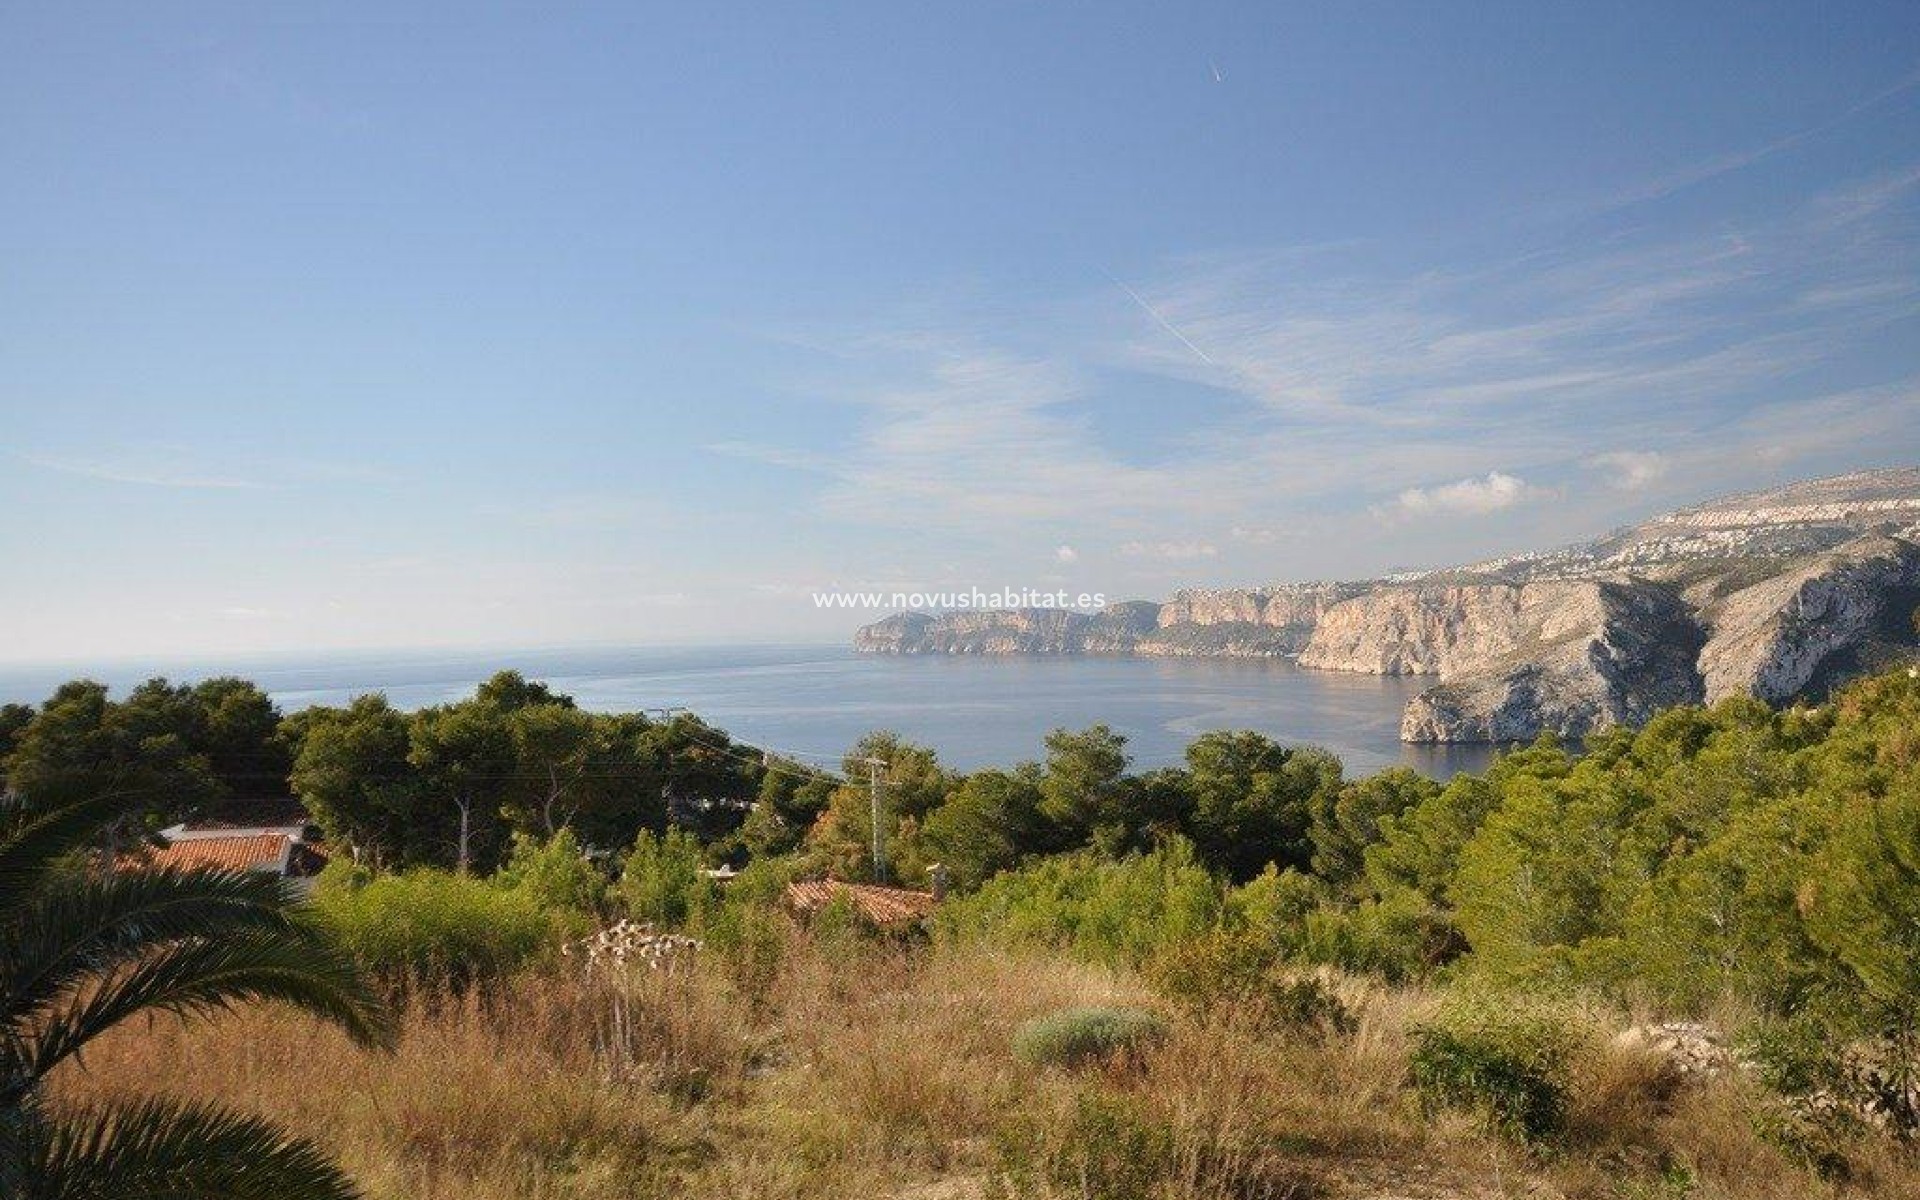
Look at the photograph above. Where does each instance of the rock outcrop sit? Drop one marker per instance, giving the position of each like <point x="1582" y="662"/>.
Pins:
<point x="1776" y="595"/>
<point x="1772" y="638"/>
<point x="1614" y="653"/>
<point x="1444" y="629"/>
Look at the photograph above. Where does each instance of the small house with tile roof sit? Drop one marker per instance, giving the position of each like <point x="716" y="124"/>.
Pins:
<point x="288" y="846"/>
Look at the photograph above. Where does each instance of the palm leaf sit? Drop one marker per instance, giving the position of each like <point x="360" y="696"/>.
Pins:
<point x="163" y="1150"/>
<point x="296" y="966"/>
<point x="72" y="928"/>
<point x="22" y="1135"/>
<point x="79" y="955"/>
<point x="34" y="839"/>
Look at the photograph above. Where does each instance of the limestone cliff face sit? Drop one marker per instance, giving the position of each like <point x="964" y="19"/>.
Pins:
<point x="1776" y="594"/>
<point x="1771" y="639"/>
<point x="1303" y="606"/>
<point x="1611" y="653"/>
<point x="1244" y="622"/>
<point x="1227" y="606"/>
<point x="1279" y="607"/>
<point x="1447" y="629"/>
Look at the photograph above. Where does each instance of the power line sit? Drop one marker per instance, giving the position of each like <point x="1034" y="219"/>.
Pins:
<point x="771" y="760"/>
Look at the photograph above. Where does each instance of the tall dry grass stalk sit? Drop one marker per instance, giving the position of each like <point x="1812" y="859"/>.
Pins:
<point x="849" y="1069"/>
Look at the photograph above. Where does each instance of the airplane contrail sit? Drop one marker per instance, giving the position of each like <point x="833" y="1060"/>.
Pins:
<point x="1161" y="321"/>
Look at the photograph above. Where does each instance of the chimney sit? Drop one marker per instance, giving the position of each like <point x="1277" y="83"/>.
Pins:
<point x="938" y="875"/>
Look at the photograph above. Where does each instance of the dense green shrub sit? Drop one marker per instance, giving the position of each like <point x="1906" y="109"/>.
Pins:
<point x="1507" y="1059"/>
<point x="1275" y="904"/>
<point x="555" y="873"/>
<point x="1793" y="1056"/>
<point x="1398" y="937"/>
<point x="1121" y="912"/>
<point x="1076" y="1036"/>
<point x="1865" y="910"/>
<point x="1238" y="970"/>
<point x="748" y="930"/>
<point x="751" y="942"/>
<point x="664" y="880"/>
<point x="433" y="923"/>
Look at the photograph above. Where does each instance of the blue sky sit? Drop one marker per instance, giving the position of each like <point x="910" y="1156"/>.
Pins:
<point x="516" y="325"/>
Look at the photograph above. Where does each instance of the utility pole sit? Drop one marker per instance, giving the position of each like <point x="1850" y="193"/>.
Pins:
<point x="874" y="766"/>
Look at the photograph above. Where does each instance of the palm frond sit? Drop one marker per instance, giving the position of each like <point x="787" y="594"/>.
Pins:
<point x="71" y="928"/>
<point x="296" y="967"/>
<point x="163" y="1150"/>
<point x="34" y="838"/>
<point x="22" y="1136"/>
<point x="78" y="955"/>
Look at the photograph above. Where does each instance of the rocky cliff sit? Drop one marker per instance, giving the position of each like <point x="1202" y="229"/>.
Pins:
<point x="1773" y="638"/>
<point x="1775" y="594"/>
<point x="1588" y="655"/>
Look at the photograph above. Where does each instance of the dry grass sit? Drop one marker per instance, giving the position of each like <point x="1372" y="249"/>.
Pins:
<point x="864" y="1071"/>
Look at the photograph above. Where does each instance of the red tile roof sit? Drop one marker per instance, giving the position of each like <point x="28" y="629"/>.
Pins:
<point x="881" y="905"/>
<point x="255" y="852"/>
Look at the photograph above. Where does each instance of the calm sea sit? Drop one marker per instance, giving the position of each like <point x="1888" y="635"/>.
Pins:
<point x="818" y="699"/>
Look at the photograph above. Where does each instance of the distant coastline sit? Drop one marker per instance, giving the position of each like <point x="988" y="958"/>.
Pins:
<point x="1778" y="595"/>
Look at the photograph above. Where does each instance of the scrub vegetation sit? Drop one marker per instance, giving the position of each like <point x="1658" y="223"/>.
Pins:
<point x="1681" y="961"/>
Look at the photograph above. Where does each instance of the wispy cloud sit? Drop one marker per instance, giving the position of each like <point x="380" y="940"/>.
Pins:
<point x="1365" y="388"/>
<point x="959" y="432"/>
<point x="773" y="456"/>
<point x="1714" y="166"/>
<point x="1643" y="325"/>
<point x="162" y="472"/>
<point x="1876" y="423"/>
<point x="1845" y="206"/>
